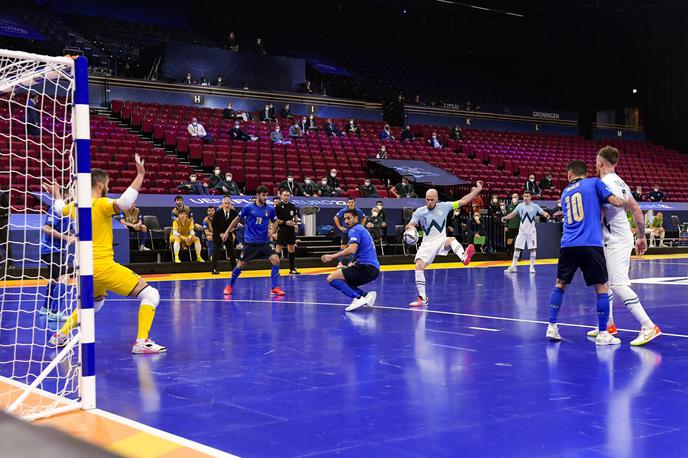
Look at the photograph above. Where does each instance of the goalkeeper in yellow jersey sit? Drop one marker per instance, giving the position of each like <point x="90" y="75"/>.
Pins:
<point x="107" y="274"/>
<point x="183" y="232"/>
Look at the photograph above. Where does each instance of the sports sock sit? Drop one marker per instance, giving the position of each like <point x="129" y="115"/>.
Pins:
<point x="177" y="246"/>
<point x="420" y="283"/>
<point x="611" y="308"/>
<point x="146" y="315"/>
<point x="344" y="288"/>
<point x="555" y="300"/>
<point x="292" y="261"/>
<point x="633" y="305"/>
<point x="458" y="249"/>
<point x="198" y="248"/>
<point x="514" y="261"/>
<point x="652" y="240"/>
<point x="602" y="305"/>
<point x="533" y="255"/>
<point x="661" y="238"/>
<point x="144" y="238"/>
<point x="359" y="291"/>
<point x="274" y="276"/>
<point x="50" y="295"/>
<point x="235" y="274"/>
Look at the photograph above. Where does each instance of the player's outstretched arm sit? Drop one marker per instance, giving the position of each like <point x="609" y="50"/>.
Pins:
<point x="128" y="197"/>
<point x="509" y="216"/>
<point x="350" y="250"/>
<point x="471" y="195"/>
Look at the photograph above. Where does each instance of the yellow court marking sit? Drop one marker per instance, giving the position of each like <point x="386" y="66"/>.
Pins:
<point x="142" y="445"/>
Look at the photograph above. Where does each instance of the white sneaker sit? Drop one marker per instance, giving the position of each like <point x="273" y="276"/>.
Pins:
<point x="420" y="302"/>
<point x="58" y="316"/>
<point x="646" y="335"/>
<point x="532" y="269"/>
<point x="604" y="338"/>
<point x="553" y="332"/>
<point x="143" y="248"/>
<point x="356" y="304"/>
<point x="147" y="347"/>
<point x="370" y="298"/>
<point x="661" y="245"/>
<point x="510" y="270"/>
<point x="58" y="340"/>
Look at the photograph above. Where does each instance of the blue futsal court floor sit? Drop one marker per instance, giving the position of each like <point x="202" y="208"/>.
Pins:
<point x="471" y="376"/>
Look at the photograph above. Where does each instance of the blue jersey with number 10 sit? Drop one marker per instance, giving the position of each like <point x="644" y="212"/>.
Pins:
<point x="257" y="221"/>
<point x="581" y="203"/>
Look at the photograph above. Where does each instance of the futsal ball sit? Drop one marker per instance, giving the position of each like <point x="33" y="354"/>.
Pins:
<point x="411" y="236"/>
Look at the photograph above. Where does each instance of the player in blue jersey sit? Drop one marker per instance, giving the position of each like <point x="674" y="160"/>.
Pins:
<point x="432" y="219"/>
<point x="527" y="211"/>
<point x="365" y="267"/>
<point x="581" y="246"/>
<point x="58" y="236"/>
<point x="260" y="224"/>
<point x="339" y="222"/>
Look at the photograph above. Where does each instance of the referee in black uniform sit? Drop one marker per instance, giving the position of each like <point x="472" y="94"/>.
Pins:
<point x="288" y="216"/>
<point x="222" y="218"/>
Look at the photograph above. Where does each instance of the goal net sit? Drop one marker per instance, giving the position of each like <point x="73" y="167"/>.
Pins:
<point x="45" y="258"/>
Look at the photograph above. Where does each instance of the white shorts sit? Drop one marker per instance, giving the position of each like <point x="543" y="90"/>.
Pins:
<point x="522" y="238"/>
<point x="618" y="264"/>
<point x="431" y="248"/>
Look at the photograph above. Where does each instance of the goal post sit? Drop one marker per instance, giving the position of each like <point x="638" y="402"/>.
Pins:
<point x="46" y="260"/>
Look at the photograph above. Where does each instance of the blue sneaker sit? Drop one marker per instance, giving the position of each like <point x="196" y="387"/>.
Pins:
<point x="44" y="310"/>
<point x="58" y="316"/>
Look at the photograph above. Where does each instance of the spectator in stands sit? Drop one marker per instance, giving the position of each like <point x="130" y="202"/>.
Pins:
<point x="196" y="130"/>
<point x="207" y="224"/>
<point x="277" y="138"/>
<point x="367" y="189"/>
<point x="290" y="185"/>
<point x="271" y="109"/>
<point x="381" y="213"/>
<point x="219" y="82"/>
<point x="403" y="189"/>
<point x="386" y="133"/>
<point x="311" y="125"/>
<point x="332" y="129"/>
<point x="310" y="189"/>
<point x="33" y="116"/>
<point x="231" y="43"/>
<point x="229" y="113"/>
<point x="187" y="79"/>
<point x="407" y="134"/>
<point x="494" y="206"/>
<point x="352" y="128"/>
<point x="183" y="232"/>
<point x="434" y="141"/>
<point x="193" y="186"/>
<point x="215" y="181"/>
<point x="237" y="134"/>
<point x="657" y="228"/>
<point x="285" y="112"/>
<point x="295" y="130"/>
<point x="532" y="186"/>
<point x="265" y="114"/>
<point x="374" y="224"/>
<point x="656" y="195"/>
<point x="456" y="133"/>
<point x="454" y="225"/>
<point x="382" y="154"/>
<point x="546" y="183"/>
<point x="303" y="125"/>
<point x="260" y="47"/>
<point x="230" y="187"/>
<point x="324" y="189"/>
<point x="133" y="220"/>
<point x="638" y="194"/>
<point x="179" y="206"/>
<point x="307" y="87"/>
<point x="476" y="231"/>
<point x="334" y="182"/>
<point x="204" y="81"/>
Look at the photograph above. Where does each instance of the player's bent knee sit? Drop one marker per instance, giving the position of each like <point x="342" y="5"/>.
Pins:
<point x="149" y="296"/>
<point x="143" y="228"/>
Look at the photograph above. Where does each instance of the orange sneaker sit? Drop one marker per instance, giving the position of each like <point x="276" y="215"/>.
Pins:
<point x="470" y="251"/>
<point x="277" y="292"/>
<point x="611" y="329"/>
<point x="228" y="290"/>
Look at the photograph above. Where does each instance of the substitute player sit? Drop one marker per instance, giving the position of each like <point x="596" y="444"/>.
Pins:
<point x="527" y="233"/>
<point x="183" y="232"/>
<point x="431" y="219"/>
<point x="365" y="267"/>
<point x="107" y="274"/>
<point x="618" y="246"/>
<point x="288" y="217"/>
<point x="581" y="246"/>
<point x="339" y="222"/>
<point x="260" y="224"/>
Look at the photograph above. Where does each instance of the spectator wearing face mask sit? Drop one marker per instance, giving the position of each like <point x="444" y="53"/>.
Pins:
<point x="196" y="130"/>
<point x="310" y="189"/>
<point x="332" y="129"/>
<point x="266" y="115"/>
<point x="386" y="134"/>
<point x="513" y="224"/>
<point x="532" y="187"/>
<point x="193" y="186"/>
<point x="230" y="187"/>
<point x="215" y="181"/>
<point x="476" y="231"/>
<point x="367" y="189"/>
<point x="381" y="213"/>
<point x="493" y="206"/>
<point x="374" y="224"/>
<point x="290" y="185"/>
<point x="324" y="189"/>
<point x="352" y="128"/>
<point x="285" y="112"/>
<point x="456" y="133"/>
<point x="333" y="182"/>
<point x="310" y="123"/>
<point x="454" y="225"/>
<point x="229" y="112"/>
<point x="546" y="183"/>
<point x="237" y="134"/>
<point x="277" y="138"/>
<point x="382" y="154"/>
<point x="656" y="195"/>
<point x="303" y="125"/>
<point x="403" y="190"/>
<point x="434" y="141"/>
<point x="407" y="134"/>
<point x="638" y="194"/>
<point x="295" y="130"/>
<point x="187" y="79"/>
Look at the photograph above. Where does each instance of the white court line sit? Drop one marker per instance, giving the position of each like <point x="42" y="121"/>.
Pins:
<point x="453" y="348"/>
<point x="484" y="329"/>
<point x="405" y="309"/>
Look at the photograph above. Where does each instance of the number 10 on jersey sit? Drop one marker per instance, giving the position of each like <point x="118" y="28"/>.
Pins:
<point x="574" y="208"/>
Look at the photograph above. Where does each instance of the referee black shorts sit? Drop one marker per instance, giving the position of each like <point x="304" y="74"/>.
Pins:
<point x="589" y="259"/>
<point x="286" y="235"/>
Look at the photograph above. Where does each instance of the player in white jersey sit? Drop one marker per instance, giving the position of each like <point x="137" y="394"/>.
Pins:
<point x="618" y="246"/>
<point x="432" y="219"/>
<point x="527" y="233"/>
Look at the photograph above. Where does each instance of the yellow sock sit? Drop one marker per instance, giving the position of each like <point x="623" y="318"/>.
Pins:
<point x="146" y="315"/>
<point x="70" y="324"/>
